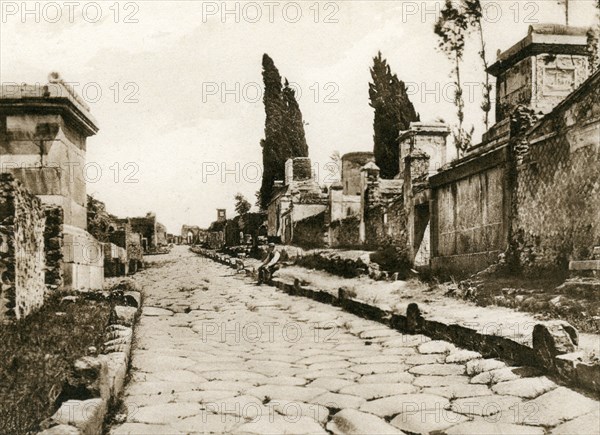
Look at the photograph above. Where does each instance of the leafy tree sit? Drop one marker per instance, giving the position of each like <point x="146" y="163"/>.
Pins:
<point x="242" y="205"/>
<point x="284" y="130"/>
<point x="474" y="16"/>
<point x="393" y="113"/>
<point x="334" y="166"/>
<point x="451" y="29"/>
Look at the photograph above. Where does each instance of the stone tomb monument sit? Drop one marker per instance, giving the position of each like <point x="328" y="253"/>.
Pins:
<point x="43" y="132"/>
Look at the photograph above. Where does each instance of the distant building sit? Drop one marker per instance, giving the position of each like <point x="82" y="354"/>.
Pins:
<point x="153" y="233"/>
<point x="192" y="235"/>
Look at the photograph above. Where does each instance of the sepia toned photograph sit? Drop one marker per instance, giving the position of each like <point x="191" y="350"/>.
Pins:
<point x="311" y="217"/>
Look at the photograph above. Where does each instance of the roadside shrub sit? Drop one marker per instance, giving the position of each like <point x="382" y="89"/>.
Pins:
<point x="393" y="259"/>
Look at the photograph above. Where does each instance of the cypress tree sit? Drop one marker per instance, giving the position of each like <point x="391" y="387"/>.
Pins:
<point x="284" y="130"/>
<point x="393" y="113"/>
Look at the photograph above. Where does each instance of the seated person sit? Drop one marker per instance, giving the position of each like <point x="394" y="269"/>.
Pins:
<point x="269" y="265"/>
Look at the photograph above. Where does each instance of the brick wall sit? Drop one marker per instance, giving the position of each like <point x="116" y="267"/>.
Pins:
<point x="22" y="258"/>
<point x="558" y="185"/>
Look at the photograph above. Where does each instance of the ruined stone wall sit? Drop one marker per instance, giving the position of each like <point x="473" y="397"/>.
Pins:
<point x="470" y="217"/>
<point x="558" y="185"/>
<point x="345" y="233"/>
<point x="215" y="239"/>
<point x="54" y="243"/>
<point x="22" y="259"/>
<point x="386" y="225"/>
<point x="309" y="233"/>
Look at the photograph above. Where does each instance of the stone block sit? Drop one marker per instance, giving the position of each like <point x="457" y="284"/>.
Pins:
<point x="61" y="429"/>
<point x="553" y="338"/>
<point x="85" y="415"/>
<point x="90" y="374"/>
<point x="584" y="265"/>
<point x="116" y="363"/>
<point x="123" y="315"/>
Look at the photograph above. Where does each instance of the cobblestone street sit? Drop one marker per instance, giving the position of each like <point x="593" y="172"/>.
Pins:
<point x="215" y="353"/>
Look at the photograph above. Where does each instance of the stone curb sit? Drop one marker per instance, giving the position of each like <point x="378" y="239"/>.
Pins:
<point x="552" y="351"/>
<point x="102" y="376"/>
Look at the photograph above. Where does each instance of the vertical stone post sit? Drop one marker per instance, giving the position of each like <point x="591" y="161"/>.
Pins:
<point x="369" y="188"/>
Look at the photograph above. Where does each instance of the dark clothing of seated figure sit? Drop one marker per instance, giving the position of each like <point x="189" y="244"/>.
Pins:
<point x="268" y="266"/>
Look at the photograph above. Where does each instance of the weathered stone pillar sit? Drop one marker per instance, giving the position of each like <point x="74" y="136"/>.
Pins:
<point x="369" y="188"/>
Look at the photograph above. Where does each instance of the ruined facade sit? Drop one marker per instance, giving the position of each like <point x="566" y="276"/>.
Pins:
<point x="192" y="234"/>
<point x="527" y="190"/>
<point x="153" y="233"/>
<point x="298" y="198"/>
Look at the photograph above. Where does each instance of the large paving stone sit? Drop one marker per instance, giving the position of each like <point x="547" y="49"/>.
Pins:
<point x="331" y="384"/>
<point x="528" y="388"/>
<point x="406" y="341"/>
<point x="399" y="351"/>
<point x="474" y="367"/>
<point x="294" y="409"/>
<point x="372" y="369"/>
<point x="329" y="365"/>
<point x="462" y="356"/>
<point x="284" y="380"/>
<point x="424" y="422"/>
<point x="353" y="422"/>
<point x="378" y="333"/>
<point x="436" y="346"/>
<point x="247" y="407"/>
<point x="233" y="375"/>
<point x="382" y="378"/>
<point x="376" y="359"/>
<point x="377" y="391"/>
<point x="580" y="425"/>
<point x="332" y="373"/>
<point x="393" y="405"/>
<point x="285" y="392"/>
<point x="438" y="369"/>
<point x="483" y="427"/>
<point x="418" y="359"/>
<point x="486" y="406"/>
<point x="149" y="388"/>
<point x="237" y="386"/>
<point x="156" y="311"/>
<point x="552" y="408"/>
<point x="320" y="358"/>
<point x="156" y="363"/>
<point x="460" y="390"/>
<point x="165" y="413"/>
<point x="338" y="401"/>
<point x="207" y="423"/>
<point x="178" y="376"/>
<point x="440" y="381"/>
<point x="280" y="425"/>
<point x="144" y="429"/>
<point x="201" y="396"/>
<point x="500" y="375"/>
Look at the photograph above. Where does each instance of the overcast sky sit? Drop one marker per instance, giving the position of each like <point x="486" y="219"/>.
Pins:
<point x="176" y="86"/>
